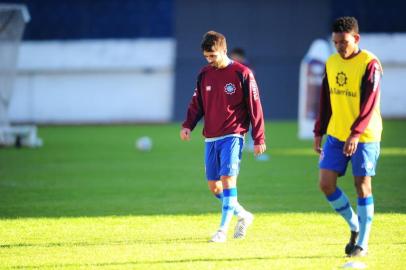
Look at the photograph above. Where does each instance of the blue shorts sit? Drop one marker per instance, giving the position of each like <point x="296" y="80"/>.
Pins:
<point x="363" y="161"/>
<point x="223" y="157"/>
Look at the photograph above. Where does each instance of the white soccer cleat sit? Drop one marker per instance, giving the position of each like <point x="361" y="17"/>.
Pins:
<point x="243" y="223"/>
<point x="219" y="237"/>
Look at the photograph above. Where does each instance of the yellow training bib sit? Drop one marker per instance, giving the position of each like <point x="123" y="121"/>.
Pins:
<point x="344" y="79"/>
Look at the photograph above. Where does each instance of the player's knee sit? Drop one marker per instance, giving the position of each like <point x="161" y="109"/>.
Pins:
<point x="229" y="182"/>
<point x="215" y="190"/>
<point x="363" y="186"/>
<point x="326" y="187"/>
<point x="363" y="191"/>
<point x="215" y="187"/>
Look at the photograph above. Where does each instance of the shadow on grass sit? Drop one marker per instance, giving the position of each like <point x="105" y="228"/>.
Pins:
<point x="196" y="260"/>
<point x="110" y="243"/>
<point x="199" y="207"/>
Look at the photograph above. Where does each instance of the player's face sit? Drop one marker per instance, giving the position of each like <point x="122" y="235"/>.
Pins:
<point x="215" y="58"/>
<point x="346" y="44"/>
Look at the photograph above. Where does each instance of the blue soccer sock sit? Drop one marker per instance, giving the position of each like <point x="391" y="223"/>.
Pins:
<point x="339" y="201"/>
<point x="365" y="209"/>
<point x="239" y="211"/>
<point x="229" y="203"/>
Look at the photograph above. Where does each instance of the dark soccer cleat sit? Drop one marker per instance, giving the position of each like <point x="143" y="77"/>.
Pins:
<point x="358" y="252"/>
<point x="351" y="245"/>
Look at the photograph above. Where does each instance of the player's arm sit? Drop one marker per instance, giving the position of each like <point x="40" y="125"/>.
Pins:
<point x="324" y="115"/>
<point x="370" y="90"/>
<point x="194" y="113"/>
<point x="256" y="114"/>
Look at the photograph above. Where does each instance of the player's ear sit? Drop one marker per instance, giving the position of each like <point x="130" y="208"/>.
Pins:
<point x="357" y="38"/>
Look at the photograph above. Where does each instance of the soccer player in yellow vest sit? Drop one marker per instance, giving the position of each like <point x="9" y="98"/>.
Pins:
<point x="350" y="116"/>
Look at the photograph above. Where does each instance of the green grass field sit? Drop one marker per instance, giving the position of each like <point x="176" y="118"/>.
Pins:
<point x="89" y="200"/>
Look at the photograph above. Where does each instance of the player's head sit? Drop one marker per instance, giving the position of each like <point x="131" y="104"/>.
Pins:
<point x="346" y="36"/>
<point x="214" y="47"/>
<point x="238" y="54"/>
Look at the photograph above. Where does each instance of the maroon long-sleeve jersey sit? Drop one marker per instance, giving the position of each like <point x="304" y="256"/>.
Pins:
<point x="228" y="100"/>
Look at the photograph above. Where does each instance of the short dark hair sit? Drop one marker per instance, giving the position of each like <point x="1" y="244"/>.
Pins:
<point x="213" y="40"/>
<point x="345" y="25"/>
<point x="238" y="51"/>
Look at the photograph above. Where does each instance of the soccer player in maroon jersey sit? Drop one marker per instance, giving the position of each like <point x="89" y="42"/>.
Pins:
<point x="227" y="97"/>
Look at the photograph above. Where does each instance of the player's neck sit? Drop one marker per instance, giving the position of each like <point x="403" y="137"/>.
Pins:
<point x="355" y="53"/>
<point x="226" y="61"/>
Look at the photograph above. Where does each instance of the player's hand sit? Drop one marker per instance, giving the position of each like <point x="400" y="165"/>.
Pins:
<point x="350" y="146"/>
<point x="317" y="144"/>
<point x="259" y="149"/>
<point x="185" y="134"/>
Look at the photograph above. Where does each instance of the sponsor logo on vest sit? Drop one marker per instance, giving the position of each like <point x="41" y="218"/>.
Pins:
<point x="346" y="92"/>
<point x="341" y="78"/>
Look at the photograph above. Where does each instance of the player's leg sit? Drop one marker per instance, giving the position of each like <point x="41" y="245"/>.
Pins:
<point x="233" y="161"/>
<point x="229" y="201"/>
<point x="337" y="198"/>
<point x="212" y="169"/>
<point x="364" y="162"/>
<point x="214" y="163"/>
<point x="328" y="181"/>
<point x="332" y="165"/>
<point x="231" y="205"/>
<point x="228" y="206"/>
<point x="365" y="210"/>
<point x="216" y="187"/>
<point x="245" y="218"/>
<point x="340" y="203"/>
<point x="230" y="157"/>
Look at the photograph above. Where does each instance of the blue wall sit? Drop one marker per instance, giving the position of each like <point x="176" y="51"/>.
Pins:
<point x="96" y="19"/>
<point x="373" y="15"/>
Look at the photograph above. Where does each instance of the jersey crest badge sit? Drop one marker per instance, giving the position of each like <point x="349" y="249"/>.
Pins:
<point x="229" y="88"/>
